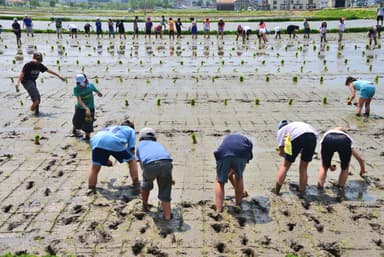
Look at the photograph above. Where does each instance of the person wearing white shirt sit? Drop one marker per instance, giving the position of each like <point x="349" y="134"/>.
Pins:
<point x="295" y="138"/>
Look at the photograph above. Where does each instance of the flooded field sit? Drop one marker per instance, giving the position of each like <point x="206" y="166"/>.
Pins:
<point x="209" y="87"/>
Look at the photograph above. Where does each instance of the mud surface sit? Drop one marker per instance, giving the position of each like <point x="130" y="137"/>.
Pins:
<point x="204" y="87"/>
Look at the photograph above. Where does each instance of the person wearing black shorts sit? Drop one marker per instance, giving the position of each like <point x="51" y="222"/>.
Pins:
<point x="337" y="140"/>
<point x="295" y="138"/>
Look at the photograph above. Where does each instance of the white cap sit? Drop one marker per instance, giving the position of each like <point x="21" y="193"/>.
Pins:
<point x="81" y="79"/>
<point x="147" y="133"/>
<point x="15" y="19"/>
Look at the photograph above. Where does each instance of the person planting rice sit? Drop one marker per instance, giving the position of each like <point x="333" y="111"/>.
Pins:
<point x="367" y="91"/>
<point x="337" y="140"/>
<point x="28" y="77"/>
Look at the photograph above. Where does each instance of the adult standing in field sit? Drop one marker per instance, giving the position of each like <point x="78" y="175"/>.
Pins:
<point x="120" y="27"/>
<point x="380" y="15"/>
<point x="136" y="27"/>
<point x="337" y="140"/>
<point x="84" y="115"/>
<point x="148" y="28"/>
<point x="87" y="29"/>
<point x="17" y="30"/>
<point x="28" y="77"/>
<point x="367" y="91"/>
<point x="220" y="28"/>
<point x="307" y="28"/>
<point x="294" y="138"/>
<point x="178" y="24"/>
<point x="118" y="141"/>
<point x="341" y="29"/>
<point x="111" y="28"/>
<point x="156" y="163"/>
<point x="231" y="158"/>
<point x="171" y="24"/>
<point x="27" y="23"/>
<point x="323" y="32"/>
<point x="99" y="29"/>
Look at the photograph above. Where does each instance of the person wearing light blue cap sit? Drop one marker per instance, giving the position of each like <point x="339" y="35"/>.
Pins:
<point x="295" y="138"/>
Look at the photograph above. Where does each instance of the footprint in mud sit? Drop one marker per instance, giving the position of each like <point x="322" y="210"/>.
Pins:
<point x="50" y="164"/>
<point x="242" y="221"/>
<point x="221" y="247"/>
<point x="266" y="240"/>
<point x="367" y="216"/>
<point x="59" y="174"/>
<point x="139" y="215"/>
<point x="215" y="216"/>
<point x="30" y="184"/>
<point x="248" y="252"/>
<point x="186" y="204"/>
<point x="154" y="250"/>
<point x="285" y="212"/>
<point x="114" y="225"/>
<point x="333" y="248"/>
<point x="319" y="227"/>
<point x="47" y="191"/>
<point x="144" y="229"/>
<point x="53" y="247"/>
<point x="138" y="247"/>
<point x="220" y="227"/>
<point x="13" y="225"/>
<point x="244" y="240"/>
<point x="7" y="208"/>
<point x="92" y="226"/>
<point x="77" y="209"/>
<point x="291" y="226"/>
<point x="69" y="220"/>
<point x="378" y="242"/>
<point x="295" y="246"/>
<point x="103" y="236"/>
<point x="66" y="147"/>
<point x="164" y="232"/>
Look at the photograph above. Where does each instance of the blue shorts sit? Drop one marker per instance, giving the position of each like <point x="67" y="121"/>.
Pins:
<point x="225" y="165"/>
<point x="367" y="92"/>
<point x="100" y="156"/>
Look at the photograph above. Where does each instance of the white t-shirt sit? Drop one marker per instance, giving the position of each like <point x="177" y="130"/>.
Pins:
<point x="338" y="132"/>
<point x="294" y="129"/>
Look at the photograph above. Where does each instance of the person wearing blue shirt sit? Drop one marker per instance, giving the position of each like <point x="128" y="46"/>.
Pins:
<point x="156" y="163"/>
<point x="231" y="158"/>
<point x="367" y="91"/>
<point x="118" y="141"/>
<point x="99" y="30"/>
<point x="27" y="22"/>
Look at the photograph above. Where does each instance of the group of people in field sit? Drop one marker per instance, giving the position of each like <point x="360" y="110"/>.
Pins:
<point x="174" y="29"/>
<point x="119" y="141"/>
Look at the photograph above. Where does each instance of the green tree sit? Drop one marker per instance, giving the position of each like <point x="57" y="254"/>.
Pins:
<point x="34" y="3"/>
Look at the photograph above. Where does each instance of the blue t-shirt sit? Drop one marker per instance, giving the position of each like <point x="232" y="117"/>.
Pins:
<point x="149" y="151"/>
<point x="98" y="25"/>
<point x="28" y="22"/>
<point x="235" y="145"/>
<point x="114" y="138"/>
<point x="359" y="84"/>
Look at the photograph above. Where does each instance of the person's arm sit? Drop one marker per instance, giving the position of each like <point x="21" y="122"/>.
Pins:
<point x="56" y="74"/>
<point x="19" y="78"/>
<point x="82" y="104"/>
<point x="352" y="89"/>
<point x="360" y="160"/>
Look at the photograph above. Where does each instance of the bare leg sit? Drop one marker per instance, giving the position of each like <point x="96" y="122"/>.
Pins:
<point x="359" y="106"/>
<point x="367" y="106"/>
<point x="303" y="176"/>
<point x="343" y="177"/>
<point x="219" y="192"/>
<point x="92" y="175"/>
<point x="166" y="209"/>
<point x="239" y="189"/>
<point x="281" y="174"/>
<point x="144" y="198"/>
<point x="322" y="176"/>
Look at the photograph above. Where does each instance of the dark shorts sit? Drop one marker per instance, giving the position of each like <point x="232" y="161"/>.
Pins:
<point x="307" y="30"/>
<point x="74" y="30"/>
<point x="79" y="121"/>
<point x="160" y="170"/>
<point x="30" y="86"/>
<point x="100" y="156"/>
<point x="225" y="165"/>
<point x="304" y="144"/>
<point x="99" y="31"/>
<point x="18" y="34"/>
<point x="336" y="142"/>
<point x="379" y="18"/>
<point x="136" y="31"/>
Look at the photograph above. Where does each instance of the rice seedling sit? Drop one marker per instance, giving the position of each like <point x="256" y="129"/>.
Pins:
<point x="257" y="101"/>
<point x="295" y="79"/>
<point x="325" y="100"/>
<point x="193" y="136"/>
<point x="37" y="140"/>
<point x="241" y="78"/>
<point x="126" y="102"/>
<point x="290" y="101"/>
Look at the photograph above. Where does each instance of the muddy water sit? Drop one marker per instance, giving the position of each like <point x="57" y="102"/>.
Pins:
<point x="44" y="207"/>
